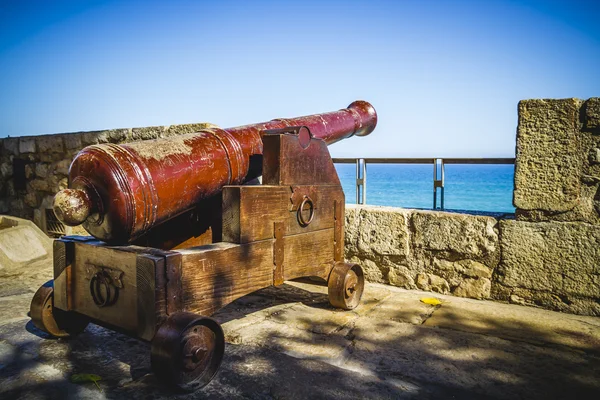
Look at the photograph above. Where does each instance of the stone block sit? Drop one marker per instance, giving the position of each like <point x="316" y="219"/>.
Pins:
<point x="475" y="269"/>
<point x="50" y="144"/>
<point x="11" y="146"/>
<point x="56" y="183"/>
<point x="73" y="141"/>
<point x="114" y="136"/>
<point x="89" y="138"/>
<point x="592" y="115"/>
<point x="31" y="199"/>
<point x="41" y="170"/>
<point x="456" y="272"/>
<point x="372" y="270"/>
<point x="29" y="171"/>
<point x="38" y="185"/>
<point x="384" y="231"/>
<point x="594" y="156"/>
<point x="6" y="169"/>
<point x="27" y="145"/>
<point x="548" y="162"/>
<point x="50" y="157"/>
<point x="61" y="167"/>
<point x="557" y="262"/>
<point x="456" y="236"/>
<point x="474" y="288"/>
<point x="402" y="277"/>
<point x="151" y="132"/>
<point x="182" y="129"/>
<point x="351" y="229"/>
<point x="432" y="283"/>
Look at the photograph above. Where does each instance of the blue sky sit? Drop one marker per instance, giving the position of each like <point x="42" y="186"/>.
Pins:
<point x="444" y="76"/>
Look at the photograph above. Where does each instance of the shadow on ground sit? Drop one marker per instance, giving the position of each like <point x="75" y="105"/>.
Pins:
<point x="287" y="343"/>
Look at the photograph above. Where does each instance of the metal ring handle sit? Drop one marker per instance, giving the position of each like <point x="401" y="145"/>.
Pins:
<point x="301" y="220"/>
<point x="99" y="280"/>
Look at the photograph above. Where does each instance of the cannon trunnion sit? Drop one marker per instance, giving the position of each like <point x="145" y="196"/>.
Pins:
<point x="290" y="226"/>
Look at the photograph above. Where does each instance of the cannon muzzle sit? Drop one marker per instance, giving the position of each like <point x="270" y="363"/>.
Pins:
<point x="119" y="192"/>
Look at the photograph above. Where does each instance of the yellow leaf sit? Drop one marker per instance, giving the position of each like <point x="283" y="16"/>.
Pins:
<point x="83" y="378"/>
<point x="431" y="301"/>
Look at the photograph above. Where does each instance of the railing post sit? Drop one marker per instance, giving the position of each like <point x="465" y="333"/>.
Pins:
<point x="364" y="182"/>
<point x="443" y="167"/>
<point x="358" y="181"/>
<point x="361" y="181"/>
<point x="438" y="183"/>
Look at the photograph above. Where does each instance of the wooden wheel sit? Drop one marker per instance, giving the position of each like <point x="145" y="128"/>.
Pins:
<point x="187" y="350"/>
<point x="345" y="286"/>
<point x="58" y="323"/>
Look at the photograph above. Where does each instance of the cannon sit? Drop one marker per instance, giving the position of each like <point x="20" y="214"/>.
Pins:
<point x="180" y="228"/>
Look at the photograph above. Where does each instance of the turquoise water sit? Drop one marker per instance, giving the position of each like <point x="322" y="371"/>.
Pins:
<point x="467" y="187"/>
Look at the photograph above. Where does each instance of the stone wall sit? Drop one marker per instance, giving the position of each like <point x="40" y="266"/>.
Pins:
<point x="555" y="265"/>
<point x="46" y="160"/>
<point x="549" y="256"/>
<point x="551" y="253"/>
<point x="442" y="252"/>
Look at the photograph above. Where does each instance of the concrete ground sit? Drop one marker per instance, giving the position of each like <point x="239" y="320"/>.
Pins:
<point x="288" y="343"/>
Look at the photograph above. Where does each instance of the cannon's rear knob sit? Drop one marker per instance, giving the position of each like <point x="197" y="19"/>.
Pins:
<point x="72" y="206"/>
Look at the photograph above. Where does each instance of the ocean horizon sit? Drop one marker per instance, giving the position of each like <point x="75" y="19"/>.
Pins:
<point x="486" y="188"/>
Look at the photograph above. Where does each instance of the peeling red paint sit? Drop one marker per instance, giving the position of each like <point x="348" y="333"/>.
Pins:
<point x="135" y="186"/>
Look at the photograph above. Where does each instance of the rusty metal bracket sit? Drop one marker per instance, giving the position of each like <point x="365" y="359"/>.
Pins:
<point x="299" y="193"/>
<point x="278" y="254"/>
<point x="338" y="231"/>
<point x="115" y="275"/>
<point x="105" y="284"/>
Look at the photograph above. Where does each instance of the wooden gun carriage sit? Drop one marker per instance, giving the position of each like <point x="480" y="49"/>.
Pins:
<point x="245" y="238"/>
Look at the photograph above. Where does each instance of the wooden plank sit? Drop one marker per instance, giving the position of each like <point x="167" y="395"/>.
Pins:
<point x="63" y="252"/>
<point x="308" y="254"/>
<point x="250" y="211"/>
<point x="231" y="214"/>
<point x="124" y="313"/>
<point x="324" y="198"/>
<point x="216" y="275"/>
<point x="150" y="297"/>
<point x="286" y="162"/>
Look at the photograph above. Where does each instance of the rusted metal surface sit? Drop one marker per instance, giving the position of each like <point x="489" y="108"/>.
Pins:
<point x="119" y="192"/>
<point x="187" y="350"/>
<point x="56" y="322"/>
<point x="345" y="285"/>
<point x="338" y="233"/>
<point x="278" y="253"/>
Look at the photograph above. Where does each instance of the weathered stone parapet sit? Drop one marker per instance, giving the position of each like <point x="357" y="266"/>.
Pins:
<point x="429" y="250"/>
<point x="557" y="168"/>
<point x="45" y="161"/>
<point x="555" y="265"/>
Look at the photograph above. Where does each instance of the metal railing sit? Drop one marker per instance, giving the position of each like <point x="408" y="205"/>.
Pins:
<point x="438" y="166"/>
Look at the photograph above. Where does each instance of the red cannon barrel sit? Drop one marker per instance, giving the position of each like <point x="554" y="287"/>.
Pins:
<point x="119" y="192"/>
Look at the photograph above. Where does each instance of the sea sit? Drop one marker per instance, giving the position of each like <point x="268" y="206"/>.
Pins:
<point x="485" y="188"/>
